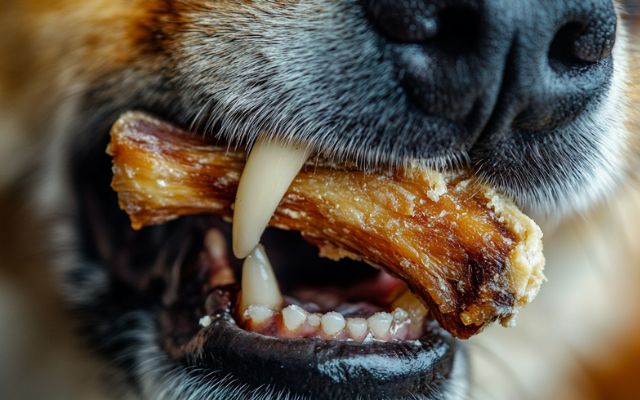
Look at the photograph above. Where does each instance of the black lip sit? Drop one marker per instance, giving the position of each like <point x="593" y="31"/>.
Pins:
<point x="314" y="368"/>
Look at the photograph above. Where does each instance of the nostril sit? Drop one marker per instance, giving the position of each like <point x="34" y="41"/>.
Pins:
<point x="596" y="42"/>
<point x="579" y="44"/>
<point x="452" y="28"/>
<point x="405" y="21"/>
<point x="407" y="27"/>
<point x="562" y="54"/>
<point x="444" y="53"/>
<point x="459" y="30"/>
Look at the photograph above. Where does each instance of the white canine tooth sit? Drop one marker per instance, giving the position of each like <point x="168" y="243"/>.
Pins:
<point x="258" y="313"/>
<point x="332" y="323"/>
<point x="293" y="317"/>
<point x="259" y="284"/>
<point x="268" y="173"/>
<point x="357" y="328"/>
<point x="380" y="325"/>
<point x="314" y="320"/>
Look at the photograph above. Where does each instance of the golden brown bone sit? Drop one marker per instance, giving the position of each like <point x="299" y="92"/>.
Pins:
<point x="466" y="251"/>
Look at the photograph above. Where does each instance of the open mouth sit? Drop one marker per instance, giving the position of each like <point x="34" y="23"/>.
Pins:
<point x="288" y="316"/>
<point x="324" y="331"/>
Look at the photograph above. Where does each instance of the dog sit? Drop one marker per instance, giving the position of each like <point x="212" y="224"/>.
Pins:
<point x="537" y="97"/>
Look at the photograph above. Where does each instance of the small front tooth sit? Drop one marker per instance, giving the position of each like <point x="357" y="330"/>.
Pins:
<point x="258" y="314"/>
<point x="380" y="325"/>
<point x="268" y="173"/>
<point x="332" y="323"/>
<point x="259" y="284"/>
<point x="293" y="317"/>
<point x="357" y="328"/>
<point x="400" y="314"/>
<point x="314" y="320"/>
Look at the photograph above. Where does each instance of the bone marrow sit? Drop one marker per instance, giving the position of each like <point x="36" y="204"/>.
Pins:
<point x="462" y="248"/>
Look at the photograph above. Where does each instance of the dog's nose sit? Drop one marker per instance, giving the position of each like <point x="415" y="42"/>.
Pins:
<point x="528" y="64"/>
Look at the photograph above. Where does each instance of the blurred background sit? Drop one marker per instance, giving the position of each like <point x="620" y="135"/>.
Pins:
<point x="579" y="340"/>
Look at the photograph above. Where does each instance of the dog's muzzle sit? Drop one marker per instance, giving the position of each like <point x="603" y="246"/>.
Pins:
<point x="450" y="55"/>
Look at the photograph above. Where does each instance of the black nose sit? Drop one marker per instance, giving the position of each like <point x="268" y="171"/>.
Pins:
<point x="529" y="65"/>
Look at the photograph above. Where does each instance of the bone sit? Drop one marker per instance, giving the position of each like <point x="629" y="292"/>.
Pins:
<point x="466" y="252"/>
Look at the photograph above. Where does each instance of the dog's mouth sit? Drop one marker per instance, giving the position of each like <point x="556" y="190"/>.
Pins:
<point x="286" y="318"/>
<point x="343" y="330"/>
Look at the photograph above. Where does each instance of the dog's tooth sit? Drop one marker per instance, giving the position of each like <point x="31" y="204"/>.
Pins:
<point x="399" y="314"/>
<point x="259" y="283"/>
<point x="205" y="321"/>
<point x="380" y="325"/>
<point x="293" y="317"/>
<point x="314" y="320"/>
<point x="332" y="323"/>
<point x="409" y="302"/>
<point x="357" y="328"/>
<point x="258" y="313"/>
<point x="216" y="244"/>
<point x="268" y="173"/>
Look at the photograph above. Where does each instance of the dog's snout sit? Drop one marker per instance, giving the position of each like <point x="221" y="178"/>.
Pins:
<point x="530" y="65"/>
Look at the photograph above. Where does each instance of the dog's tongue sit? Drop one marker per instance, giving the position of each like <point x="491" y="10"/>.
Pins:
<point x="467" y="252"/>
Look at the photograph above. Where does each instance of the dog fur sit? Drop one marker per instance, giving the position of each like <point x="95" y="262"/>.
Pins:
<point x="570" y="343"/>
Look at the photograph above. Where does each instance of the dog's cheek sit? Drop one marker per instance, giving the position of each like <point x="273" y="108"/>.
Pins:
<point x="632" y="94"/>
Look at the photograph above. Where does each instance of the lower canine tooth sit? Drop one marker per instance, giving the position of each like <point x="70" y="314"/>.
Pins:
<point x="332" y="323"/>
<point x="380" y="325"/>
<point x="293" y="317"/>
<point x="268" y="173"/>
<point x="258" y="313"/>
<point x="357" y="328"/>
<point x="259" y="283"/>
